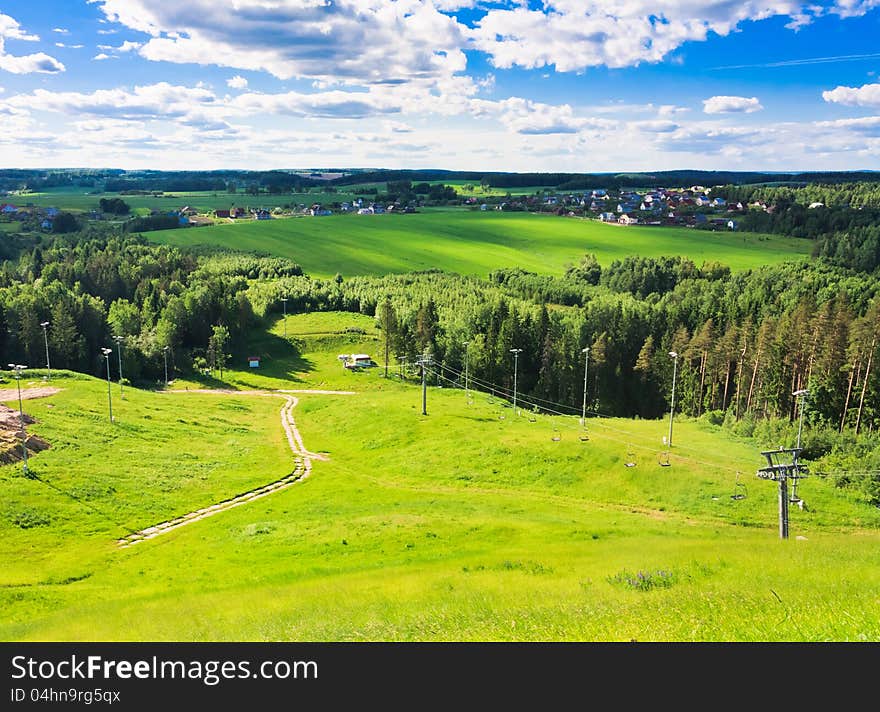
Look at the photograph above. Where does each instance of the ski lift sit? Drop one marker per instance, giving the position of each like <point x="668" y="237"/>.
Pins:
<point x="630" y="458"/>
<point x="664" y="459"/>
<point x="584" y="437"/>
<point x="556" y="435"/>
<point x="532" y="418"/>
<point x="739" y="489"/>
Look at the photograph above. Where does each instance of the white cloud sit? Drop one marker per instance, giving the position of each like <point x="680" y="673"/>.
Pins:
<point x="61" y="30"/>
<point x="731" y="105"/>
<point x="574" y="34"/>
<point x="866" y="95"/>
<point x="40" y="62"/>
<point x="237" y="82"/>
<point x="330" y="104"/>
<point x="161" y="101"/>
<point x="101" y="56"/>
<point x="349" y="40"/>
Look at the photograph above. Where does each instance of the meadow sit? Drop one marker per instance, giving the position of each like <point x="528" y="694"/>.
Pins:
<point x="79" y="200"/>
<point x="475" y="242"/>
<point x="470" y="523"/>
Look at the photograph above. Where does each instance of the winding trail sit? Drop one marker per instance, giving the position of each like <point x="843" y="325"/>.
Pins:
<point x="301" y="456"/>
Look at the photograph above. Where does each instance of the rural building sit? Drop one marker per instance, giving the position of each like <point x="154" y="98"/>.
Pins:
<point x="356" y="361"/>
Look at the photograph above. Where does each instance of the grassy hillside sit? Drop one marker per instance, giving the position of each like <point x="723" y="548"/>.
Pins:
<point x="460" y="525"/>
<point x="475" y="242"/>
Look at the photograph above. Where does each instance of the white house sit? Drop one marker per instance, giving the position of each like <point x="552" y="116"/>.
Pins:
<point x="627" y="220"/>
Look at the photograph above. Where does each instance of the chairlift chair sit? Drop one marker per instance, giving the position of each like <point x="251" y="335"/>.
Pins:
<point x="664" y="459"/>
<point x="631" y="459"/>
<point x="584" y="437"/>
<point x="532" y="418"/>
<point x="556" y="435"/>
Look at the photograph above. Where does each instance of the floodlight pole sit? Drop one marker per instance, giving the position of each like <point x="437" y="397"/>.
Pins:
<point x="24" y="455"/>
<point x="119" y="340"/>
<point x="803" y="394"/>
<point x="585" y="351"/>
<point x="165" y="355"/>
<point x="45" y="325"/>
<point x="107" y="353"/>
<point x="467" y="392"/>
<point x="423" y="361"/>
<point x="672" y="403"/>
<point x="516" y="353"/>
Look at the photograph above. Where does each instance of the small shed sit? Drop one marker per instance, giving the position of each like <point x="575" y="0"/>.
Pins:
<point x="254" y="361"/>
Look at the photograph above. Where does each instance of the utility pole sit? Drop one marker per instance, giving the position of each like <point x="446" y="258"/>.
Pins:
<point x="672" y="404"/>
<point x="423" y="361"/>
<point x="107" y="353"/>
<point x="45" y="325"/>
<point x="119" y="340"/>
<point x="165" y="355"/>
<point x="17" y="368"/>
<point x="400" y="359"/>
<point x="284" y="302"/>
<point x="516" y="353"/>
<point x="782" y="472"/>
<point x="586" y="365"/>
<point x="803" y="394"/>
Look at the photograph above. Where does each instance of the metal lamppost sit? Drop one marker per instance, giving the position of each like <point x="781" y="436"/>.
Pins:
<point x="45" y="325"/>
<point x="467" y="392"/>
<point x="17" y="368"/>
<point x="585" y="351"/>
<point x="284" y="302"/>
<point x="516" y="353"/>
<point x="106" y="352"/>
<point x="119" y="341"/>
<point x="803" y="394"/>
<point x="672" y="404"/>
<point x="165" y="355"/>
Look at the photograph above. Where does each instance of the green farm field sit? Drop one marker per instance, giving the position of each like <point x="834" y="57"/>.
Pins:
<point x="476" y="242"/>
<point x="79" y="200"/>
<point x="458" y="525"/>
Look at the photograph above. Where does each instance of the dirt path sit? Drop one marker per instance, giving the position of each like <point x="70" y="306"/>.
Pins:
<point x="11" y="394"/>
<point x="302" y="468"/>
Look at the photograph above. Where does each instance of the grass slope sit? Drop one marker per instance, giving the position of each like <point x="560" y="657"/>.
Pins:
<point x="455" y="526"/>
<point x="476" y="242"/>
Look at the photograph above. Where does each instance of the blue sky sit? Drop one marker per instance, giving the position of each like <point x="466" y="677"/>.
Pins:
<point x="560" y="85"/>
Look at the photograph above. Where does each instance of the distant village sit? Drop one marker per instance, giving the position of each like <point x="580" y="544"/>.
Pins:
<point x="687" y="207"/>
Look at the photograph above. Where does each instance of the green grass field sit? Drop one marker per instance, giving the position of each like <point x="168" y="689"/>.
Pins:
<point x="476" y="242"/>
<point x="80" y="201"/>
<point x="459" y="525"/>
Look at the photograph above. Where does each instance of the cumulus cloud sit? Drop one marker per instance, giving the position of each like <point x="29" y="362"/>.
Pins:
<point x="39" y="62"/>
<point x="731" y="105"/>
<point x="101" y="56"/>
<point x="379" y="41"/>
<point x="866" y="95"/>
<point x="61" y="30"/>
<point x="237" y="82"/>
<point x="330" y="104"/>
<point x="154" y="101"/>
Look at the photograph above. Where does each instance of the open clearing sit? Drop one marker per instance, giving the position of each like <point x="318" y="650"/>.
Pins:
<point x="455" y="526"/>
<point x="476" y="242"/>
